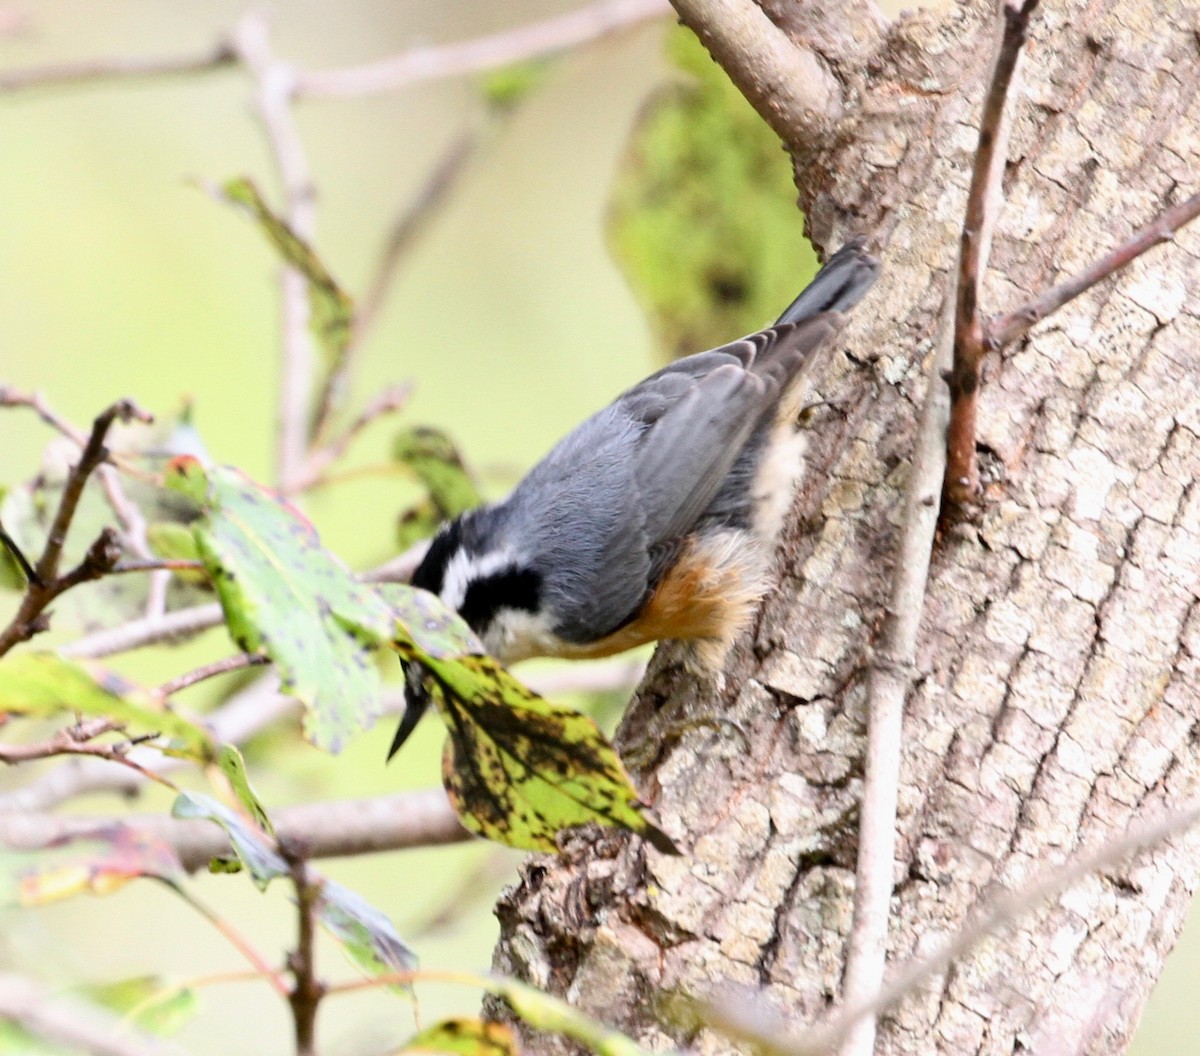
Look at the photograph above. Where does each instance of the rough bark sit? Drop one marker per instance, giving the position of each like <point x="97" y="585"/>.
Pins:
<point x="1058" y="697"/>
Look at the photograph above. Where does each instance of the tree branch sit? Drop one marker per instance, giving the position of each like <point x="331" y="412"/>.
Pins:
<point x="118" y="68"/>
<point x="786" y="83"/>
<point x="326" y="830"/>
<point x="482" y="53"/>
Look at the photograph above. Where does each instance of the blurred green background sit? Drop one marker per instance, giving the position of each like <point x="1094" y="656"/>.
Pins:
<point x="118" y="277"/>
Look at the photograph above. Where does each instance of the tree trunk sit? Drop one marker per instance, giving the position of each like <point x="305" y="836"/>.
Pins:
<point x="1056" y="699"/>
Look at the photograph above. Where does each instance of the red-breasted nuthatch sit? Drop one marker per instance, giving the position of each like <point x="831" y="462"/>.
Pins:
<point x="654" y="519"/>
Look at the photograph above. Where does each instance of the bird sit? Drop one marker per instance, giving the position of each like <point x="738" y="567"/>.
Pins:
<point x="655" y="518"/>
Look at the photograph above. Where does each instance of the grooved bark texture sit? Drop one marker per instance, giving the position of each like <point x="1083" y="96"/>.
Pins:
<point x="1058" y="691"/>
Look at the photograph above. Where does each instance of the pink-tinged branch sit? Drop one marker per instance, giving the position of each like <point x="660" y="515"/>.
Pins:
<point x="1014" y="325"/>
<point x="482" y="53"/>
<point x="983" y="204"/>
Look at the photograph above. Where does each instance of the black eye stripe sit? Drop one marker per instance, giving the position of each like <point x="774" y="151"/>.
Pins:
<point x="510" y="588"/>
<point x="431" y="572"/>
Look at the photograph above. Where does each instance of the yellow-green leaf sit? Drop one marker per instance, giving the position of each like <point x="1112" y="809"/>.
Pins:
<point x="233" y="766"/>
<point x="99" y="863"/>
<point x="434" y="459"/>
<point x="252" y="846"/>
<point x="330" y="308"/>
<point x="519" y="769"/>
<point x="45" y="684"/>
<point x="367" y="934"/>
<point x="464" y="1037"/>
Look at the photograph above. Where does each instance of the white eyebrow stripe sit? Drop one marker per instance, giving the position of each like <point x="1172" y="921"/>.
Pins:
<point x="465" y="568"/>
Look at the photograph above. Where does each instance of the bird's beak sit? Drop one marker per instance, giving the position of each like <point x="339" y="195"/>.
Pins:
<point x="416" y="703"/>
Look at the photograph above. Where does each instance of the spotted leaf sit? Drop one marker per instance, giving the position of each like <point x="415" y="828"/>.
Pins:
<point x="287" y="597"/>
<point x="519" y="769"/>
<point x="468" y="1037"/>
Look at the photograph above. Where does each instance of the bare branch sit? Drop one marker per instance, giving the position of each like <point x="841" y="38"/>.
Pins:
<point x="390" y="400"/>
<point x="1009" y="328"/>
<point x="102" y="556"/>
<point x="483" y="53"/>
<point x="275" y="88"/>
<point x="327" y="830"/>
<point x="983" y="205"/>
<point x="785" y="82"/>
<point x="147" y="631"/>
<point x="238" y="662"/>
<point x="64" y="1020"/>
<point x="117" y="68"/>
<point x="891" y="679"/>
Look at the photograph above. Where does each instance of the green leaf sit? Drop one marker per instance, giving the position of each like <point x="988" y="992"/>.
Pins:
<point x="175" y="542"/>
<point x="703" y="218"/>
<point x="425" y="625"/>
<point x="366" y="933"/>
<point x="100" y="862"/>
<point x="252" y="846"/>
<point x="432" y="457"/>
<point x="288" y="598"/>
<point x="44" y="684"/>
<point x="233" y="766"/>
<point x="543" y="1012"/>
<point x="509" y="86"/>
<point x="330" y="308"/>
<point x="464" y="1037"/>
<point x="148" y="1002"/>
<point x="519" y="769"/>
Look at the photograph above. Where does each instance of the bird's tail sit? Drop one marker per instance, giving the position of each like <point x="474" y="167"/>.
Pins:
<point x="838" y="286"/>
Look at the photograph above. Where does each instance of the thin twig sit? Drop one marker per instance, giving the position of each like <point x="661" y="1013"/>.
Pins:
<point x="60" y="744"/>
<point x="159" y="564"/>
<point x="390" y="400"/>
<point x="413" y="220"/>
<point x="983" y="202"/>
<point x="235" y="938"/>
<point x="243" y="715"/>
<point x="1014" y="325"/>
<point x="890" y="680"/>
<point x="482" y="53"/>
<point x="275" y="82"/>
<point x="238" y="662"/>
<point x="117" y="68"/>
<point x="1008" y="906"/>
<point x="45" y="585"/>
<point x="135" y="634"/>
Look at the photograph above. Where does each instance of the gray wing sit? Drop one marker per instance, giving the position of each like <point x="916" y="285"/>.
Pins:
<point x="630" y="481"/>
